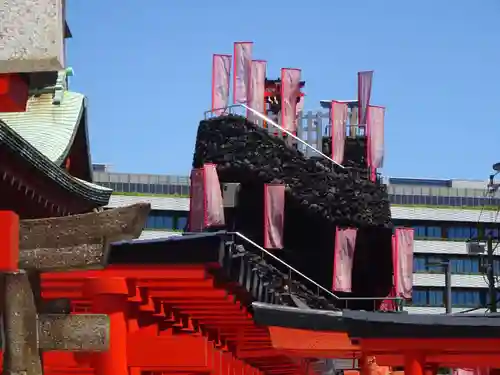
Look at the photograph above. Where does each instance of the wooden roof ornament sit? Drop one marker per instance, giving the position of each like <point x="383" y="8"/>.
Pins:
<point x="30" y="247"/>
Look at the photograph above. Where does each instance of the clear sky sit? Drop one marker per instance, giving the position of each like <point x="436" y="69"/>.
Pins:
<point x="146" y="69"/>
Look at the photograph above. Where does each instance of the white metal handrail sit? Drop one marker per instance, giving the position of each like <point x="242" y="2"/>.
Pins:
<point x="319" y="287"/>
<point x="269" y="121"/>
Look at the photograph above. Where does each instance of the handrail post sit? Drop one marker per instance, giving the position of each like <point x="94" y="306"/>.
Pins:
<point x="318" y="286"/>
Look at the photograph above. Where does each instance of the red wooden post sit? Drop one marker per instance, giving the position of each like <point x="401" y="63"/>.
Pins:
<point x="414" y="364"/>
<point x="9" y="241"/>
<point x="109" y="296"/>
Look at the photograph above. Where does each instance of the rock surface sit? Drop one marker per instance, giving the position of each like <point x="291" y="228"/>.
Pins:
<point x="244" y="153"/>
<point x="319" y="197"/>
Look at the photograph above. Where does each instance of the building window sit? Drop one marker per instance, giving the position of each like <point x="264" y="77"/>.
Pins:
<point x="465" y="298"/>
<point x="462" y="233"/>
<point x="460" y="297"/>
<point x="436" y="297"/>
<point x="462" y="265"/>
<point x="465" y="266"/>
<point x="132" y="187"/>
<point x="432" y="200"/>
<point x="434" y="232"/>
<point x="419" y="231"/>
<point x="182" y="222"/>
<point x="160" y="220"/>
<point x="419" y="297"/>
<point x="419" y="264"/>
<point x="427" y="232"/>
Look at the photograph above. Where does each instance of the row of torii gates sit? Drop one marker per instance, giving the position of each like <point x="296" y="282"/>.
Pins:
<point x="169" y="307"/>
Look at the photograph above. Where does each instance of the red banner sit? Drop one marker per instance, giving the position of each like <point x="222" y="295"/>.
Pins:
<point x="213" y="197"/>
<point x="274" y="216"/>
<point x="257" y="88"/>
<point x="338" y="119"/>
<point x="290" y="89"/>
<point x="197" y="201"/>
<point x="242" y="71"/>
<point x="206" y="204"/>
<point x="364" y="94"/>
<point x="375" y="139"/>
<point x="221" y="72"/>
<point x="389" y="304"/>
<point x="402" y="248"/>
<point x="345" y="245"/>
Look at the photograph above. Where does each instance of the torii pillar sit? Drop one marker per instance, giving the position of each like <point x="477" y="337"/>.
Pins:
<point x="109" y="296"/>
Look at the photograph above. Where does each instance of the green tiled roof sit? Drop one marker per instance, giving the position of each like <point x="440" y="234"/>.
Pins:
<point x="44" y="134"/>
<point x="47" y="127"/>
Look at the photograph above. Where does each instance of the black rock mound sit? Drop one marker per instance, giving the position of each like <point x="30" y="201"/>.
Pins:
<point x="320" y="196"/>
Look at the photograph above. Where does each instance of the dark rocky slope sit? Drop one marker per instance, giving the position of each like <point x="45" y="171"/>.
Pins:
<point x="320" y="196"/>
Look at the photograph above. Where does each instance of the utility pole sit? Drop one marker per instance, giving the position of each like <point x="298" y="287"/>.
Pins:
<point x="447" y="284"/>
<point x="490" y="273"/>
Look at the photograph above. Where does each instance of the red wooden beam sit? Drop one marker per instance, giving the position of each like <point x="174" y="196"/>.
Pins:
<point x="177" y="353"/>
<point x="9" y="240"/>
<point x="135" y="272"/>
<point x="13" y="93"/>
<point x="437" y="345"/>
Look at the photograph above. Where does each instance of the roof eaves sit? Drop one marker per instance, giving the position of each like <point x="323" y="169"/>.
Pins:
<point x="95" y="194"/>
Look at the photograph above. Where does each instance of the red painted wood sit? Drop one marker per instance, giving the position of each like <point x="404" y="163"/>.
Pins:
<point x="185" y="352"/>
<point x="109" y="296"/>
<point x="13" y="93"/>
<point x="174" y="320"/>
<point x="9" y="241"/>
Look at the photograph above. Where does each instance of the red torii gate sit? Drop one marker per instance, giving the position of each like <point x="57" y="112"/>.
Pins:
<point x="165" y="319"/>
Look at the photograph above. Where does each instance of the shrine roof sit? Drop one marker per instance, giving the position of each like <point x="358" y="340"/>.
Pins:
<point x="367" y="324"/>
<point x="44" y="135"/>
<point x="188" y="249"/>
<point x="49" y="128"/>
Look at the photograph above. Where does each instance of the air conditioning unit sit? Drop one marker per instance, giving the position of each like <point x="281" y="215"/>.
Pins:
<point x="230" y="194"/>
<point x="475" y="247"/>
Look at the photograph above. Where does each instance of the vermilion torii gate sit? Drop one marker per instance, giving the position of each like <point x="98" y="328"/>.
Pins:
<point x="420" y="343"/>
<point x="32" y="247"/>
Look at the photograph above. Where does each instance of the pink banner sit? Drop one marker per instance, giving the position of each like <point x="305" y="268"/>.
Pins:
<point x="257" y="88"/>
<point x="338" y="119"/>
<point x="364" y="94"/>
<point x="221" y="72"/>
<point x="197" y="201"/>
<point x="375" y="139"/>
<point x="213" y="197"/>
<point x="403" y="261"/>
<point x="345" y="244"/>
<point x="389" y="304"/>
<point x="242" y="71"/>
<point x="274" y="216"/>
<point x="290" y="89"/>
<point x="206" y="205"/>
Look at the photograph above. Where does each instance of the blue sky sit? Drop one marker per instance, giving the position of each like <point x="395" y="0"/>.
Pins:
<point x="146" y="68"/>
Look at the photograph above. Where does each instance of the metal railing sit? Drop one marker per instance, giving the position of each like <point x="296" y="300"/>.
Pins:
<point x="230" y="110"/>
<point x="318" y="287"/>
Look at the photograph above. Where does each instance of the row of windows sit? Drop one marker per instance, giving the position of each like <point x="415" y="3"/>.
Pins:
<point x="451" y="231"/>
<point x="433" y="200"/>
<point x="460" y="297"/>
<point x="459" y="264"/>
<point x="169" y="220"/>
<point x="435" y="297"/>
<point x="132" y="187"/>
<point x="170" y="189"/>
